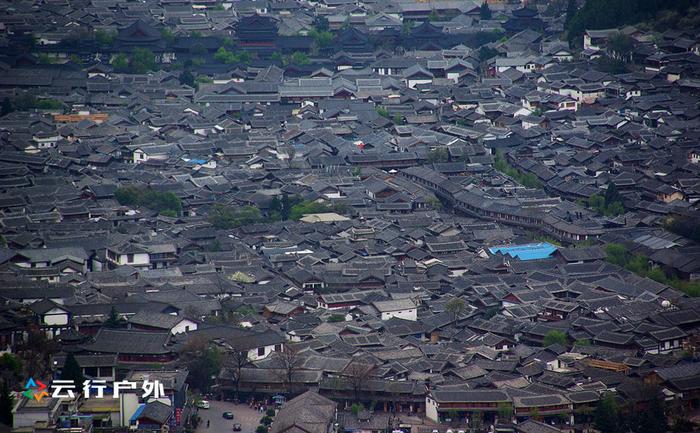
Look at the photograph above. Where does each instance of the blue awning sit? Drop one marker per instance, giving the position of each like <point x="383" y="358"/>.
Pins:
<point x="137" y="414"/>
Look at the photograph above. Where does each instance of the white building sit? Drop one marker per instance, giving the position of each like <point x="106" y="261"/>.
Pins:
<point x="401" y="308"/>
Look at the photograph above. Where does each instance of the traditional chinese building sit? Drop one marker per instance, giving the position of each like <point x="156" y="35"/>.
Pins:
<point x="257" y="33"/>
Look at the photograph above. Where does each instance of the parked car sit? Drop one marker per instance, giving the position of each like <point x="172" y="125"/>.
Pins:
<point x="203" y="404"/>
<point x="228" y="415"/>
<point x="236" y="427"/>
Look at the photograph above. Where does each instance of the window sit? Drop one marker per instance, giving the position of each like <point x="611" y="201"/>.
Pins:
<point x="261" y="351"/>
<point x="129" y="258"/>
<point x="278" y="347"/>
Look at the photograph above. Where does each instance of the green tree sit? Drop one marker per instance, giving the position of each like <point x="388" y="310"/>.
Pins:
<point x="225" y="56"/>
<point x="6" y="107"/>
<point x="570" y="11"/>
<point x="434" y="202"/>
<point x="607" y="416"/>
<point x="620" y="47"/>
<point x="187" y="78"/>
<point x="505" y="412"/>
<point x="455" y="306"/>
<point x="158" y="201"/>
<point x="614" y="209"/>
<point x="142" y="60"/>
<point x="48" y="104"/>
<point x="382" y="112"/>
<point x="684" y="226"/>
<point x="168" y="35"/>
<point x="653" y="419"/>
<point x="321" y="38"/>
<point x="113" y="321"/>
<point x="281" y="209"/>
<point x="604" y="14"/>
<point x="120" y="63"/>
<point x="161" y="201"/>
<point x="616" y="254"/>
<point x="307" y="207"/>
<point x="554" y="337"/>
<point x="10" y="369"/>
<point x="486" y="53"/>
<point x="356" y="408"/>
<point x="266" y="420"/>
<point x="203" y="79"/>
<point x="105" y="38"/>
<point x="611" y="194"/>
<point x="261" y="429"/>
<point x="203" y="361"/>
<point x="485" y="11"/>
<point x="44" y="59"/>
<point x="321" y="24"/>
<point x="453" y="414"/>
<point x="226" y="217"/>
<point x="7" y="403"/>
<point x="433" y="16"/>
<point x="299" y="58"/>
<point x="72" y="370"/>
<point x="128" y="196"/>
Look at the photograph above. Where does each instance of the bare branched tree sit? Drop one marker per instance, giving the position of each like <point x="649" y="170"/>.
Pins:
<point x="288" y="361"/>
<point x="236" y="359"/>
<point x="357" y="373"/>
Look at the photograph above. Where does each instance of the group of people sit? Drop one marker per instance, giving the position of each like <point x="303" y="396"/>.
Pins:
<point x="259" y="406"/>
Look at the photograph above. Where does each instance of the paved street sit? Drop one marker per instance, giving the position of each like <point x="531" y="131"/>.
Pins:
<point x="247" y="417"/>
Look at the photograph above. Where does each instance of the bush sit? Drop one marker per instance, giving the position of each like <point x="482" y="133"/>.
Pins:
<point x="261" y="429"/>
<point x="270" y="412"/>
<point x="266" y="421"/>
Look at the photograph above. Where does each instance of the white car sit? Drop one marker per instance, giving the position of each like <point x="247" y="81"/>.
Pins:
<point x="203" y="404"/>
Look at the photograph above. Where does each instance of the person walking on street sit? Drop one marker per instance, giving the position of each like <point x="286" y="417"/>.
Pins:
<point x="208" y="421"/>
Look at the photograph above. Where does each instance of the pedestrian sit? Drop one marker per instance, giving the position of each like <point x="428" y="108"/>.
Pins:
<point x="208" y="421"/>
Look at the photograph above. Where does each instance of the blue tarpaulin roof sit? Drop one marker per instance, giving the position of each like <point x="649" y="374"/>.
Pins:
<point x="540" y="250"/>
